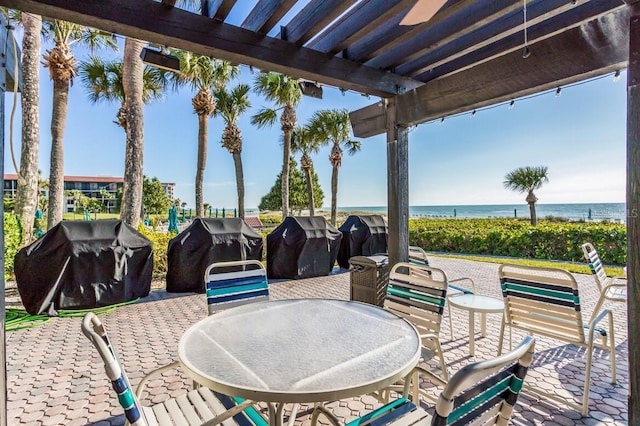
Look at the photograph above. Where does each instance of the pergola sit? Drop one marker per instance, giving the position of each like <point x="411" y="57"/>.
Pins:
<point x="470" y="54"/>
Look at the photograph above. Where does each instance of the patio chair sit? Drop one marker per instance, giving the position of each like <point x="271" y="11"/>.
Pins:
<point x="546" y="301"/>
<point x="419" y="257"/>
<point x="247" y="284"/>
<point x="198" y="407"/>
<point x="418" y="294"/>
<point x="609" y="289"/>
<point x="483" y="392"/>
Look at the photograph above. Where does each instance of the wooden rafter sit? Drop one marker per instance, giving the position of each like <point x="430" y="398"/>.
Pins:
<point x="595" y="48"/>
<point x="217" y="9"/>
<point x="149" y="20"/>
<point x="357" y="23"/>
<point x="464" y="53"/>
<point x="316" y="15"/>
<point x="266" y="14"/>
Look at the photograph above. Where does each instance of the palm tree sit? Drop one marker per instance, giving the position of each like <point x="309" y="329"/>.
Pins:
<point x="285" y="92"/>
<point x="62" y="70"/>
<point x="105" y="82"/>
<point x="204" y="75"/>
<point x="527" y="179"/>
<point x="27" y="192"/>
<point x="302" y="142"/>
<point x="230" y="105"/>
<point x="334" y="126"/>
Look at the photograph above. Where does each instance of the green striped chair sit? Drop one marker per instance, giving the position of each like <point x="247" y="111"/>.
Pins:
<point x="230" y="284"/>
<point x="609" y="289"/>
<point x="484" y="392"/>
<point x="419" y="257"/>
<point x="197" y="407"/>
<point x="418" y="294"/>
<point x="545" y="301"/>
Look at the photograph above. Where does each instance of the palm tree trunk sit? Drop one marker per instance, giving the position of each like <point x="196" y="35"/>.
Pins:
<point x="27" y="191"/>
<point x="307" y="176"/>
<point x="237" y="161"/>
<point x="56" y="171"/>
<point x="132" y="72"/>
<point x="203" y="124"/>
<point x="286" y="157"/>
<point x="531" y="200"/>
<point x="334" y="194"/>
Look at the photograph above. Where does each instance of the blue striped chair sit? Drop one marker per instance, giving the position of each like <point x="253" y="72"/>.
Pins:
<point x="545" y="301"/>
<point x="609" y="289"/>
<point x="196" y="407"/>
<point x="419" y="257"/>
<point x="418" y="294"/>
<point x="484" y="392"/>
<point x="230" y="284"/>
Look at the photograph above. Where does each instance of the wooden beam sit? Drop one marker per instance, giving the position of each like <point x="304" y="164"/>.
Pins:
<point x="263" y="12"/>
<point x="633" y="216"/>
<point x="368" y="121"/>
<point x="595" y="48"/>
<point x="149" y="20"/>
<point x="316" y="15"/>
<point x="504" y="35"/>
<point x="169" y="3"/>
<point x="358" y="22"/>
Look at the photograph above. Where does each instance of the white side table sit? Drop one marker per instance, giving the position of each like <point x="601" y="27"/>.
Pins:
<point x="476" y="303"/>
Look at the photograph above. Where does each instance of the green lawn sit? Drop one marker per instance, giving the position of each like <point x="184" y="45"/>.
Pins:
<point x="78" y="216"/>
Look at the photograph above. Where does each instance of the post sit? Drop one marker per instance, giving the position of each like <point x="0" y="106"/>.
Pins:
<point x="3" y="339"/>
<point x="633" y="209"/>
<point x="397" y="186"/>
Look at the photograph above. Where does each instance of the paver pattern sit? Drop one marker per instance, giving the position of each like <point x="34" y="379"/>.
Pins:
<point x="55" y="376"/>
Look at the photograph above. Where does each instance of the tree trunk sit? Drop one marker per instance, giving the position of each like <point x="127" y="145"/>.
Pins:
<point x="334" y="194"/>
<point x="56" y="168"/>
<point x="27" y="191"/>
<point x="286" y="157"/>
<point x="203" y="123"/>
<point x="307" y="176"/>
<point x="531" y="200"/>
<point x="132" y="71"/>
<point x="237" y="161"/>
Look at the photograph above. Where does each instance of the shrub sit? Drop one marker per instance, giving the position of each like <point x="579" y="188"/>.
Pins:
<point x="160" y="241"/>
<point x="12" y="243"/>
<point x="554" y="240"/>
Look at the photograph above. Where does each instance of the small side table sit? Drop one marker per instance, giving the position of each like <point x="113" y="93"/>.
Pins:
<point x="476" y="303"/>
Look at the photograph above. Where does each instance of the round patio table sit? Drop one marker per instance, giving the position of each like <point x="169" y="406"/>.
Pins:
<point x="299" y="351"/>
<point x="476" y="303"/>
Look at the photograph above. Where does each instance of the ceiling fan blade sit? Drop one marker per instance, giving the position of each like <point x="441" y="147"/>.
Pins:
<point x="422" y="11"/>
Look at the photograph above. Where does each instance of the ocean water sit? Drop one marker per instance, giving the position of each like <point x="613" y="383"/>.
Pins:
<point x="594" y="211"/>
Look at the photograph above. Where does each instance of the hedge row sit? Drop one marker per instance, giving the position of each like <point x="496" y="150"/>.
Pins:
<point x="517" y="238"/>
<point x="12" y="243"/>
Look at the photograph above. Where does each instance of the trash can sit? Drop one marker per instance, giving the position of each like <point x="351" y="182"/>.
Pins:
<point x="369" y="278"/>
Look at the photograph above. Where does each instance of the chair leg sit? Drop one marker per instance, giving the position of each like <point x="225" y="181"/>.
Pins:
<point x="450" y="321"/>
<point x="587" y="382"/>
<point x="612" y="349"/>
<point x="415" y="379"/>
<point x="501" y="339"/>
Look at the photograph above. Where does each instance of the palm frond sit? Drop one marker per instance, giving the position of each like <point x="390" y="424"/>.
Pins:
<point x="265" y="117"/>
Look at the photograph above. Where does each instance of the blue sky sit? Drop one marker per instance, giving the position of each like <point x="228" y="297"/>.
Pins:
<point x="579" y="136"/>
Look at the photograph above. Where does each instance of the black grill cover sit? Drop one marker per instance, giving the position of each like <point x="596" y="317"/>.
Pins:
<point x="84" y="264"/>
<point x="204" y="242"/>
<point x="362" y="236"/>
<point x="302" y="247"/>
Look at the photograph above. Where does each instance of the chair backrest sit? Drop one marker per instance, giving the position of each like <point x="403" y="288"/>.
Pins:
<point x="543" y="301"/>
<point x="418" y="294"/>
<point x="485" y="392"/>
<point x="96" y="333"/>
<point x="418" y="256"/>
<point x="597" y="269"/>
<point x="246" y="284"/>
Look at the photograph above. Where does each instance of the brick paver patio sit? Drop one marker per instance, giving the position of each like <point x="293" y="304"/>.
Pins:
<point x="55" y="376"/>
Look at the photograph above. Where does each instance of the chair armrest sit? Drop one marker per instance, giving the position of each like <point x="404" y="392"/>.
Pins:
<point x="473" y="284"/>
<point x="421" y="370"/>
<point x="595" y="320"/>
<point x="154" y="373"/>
